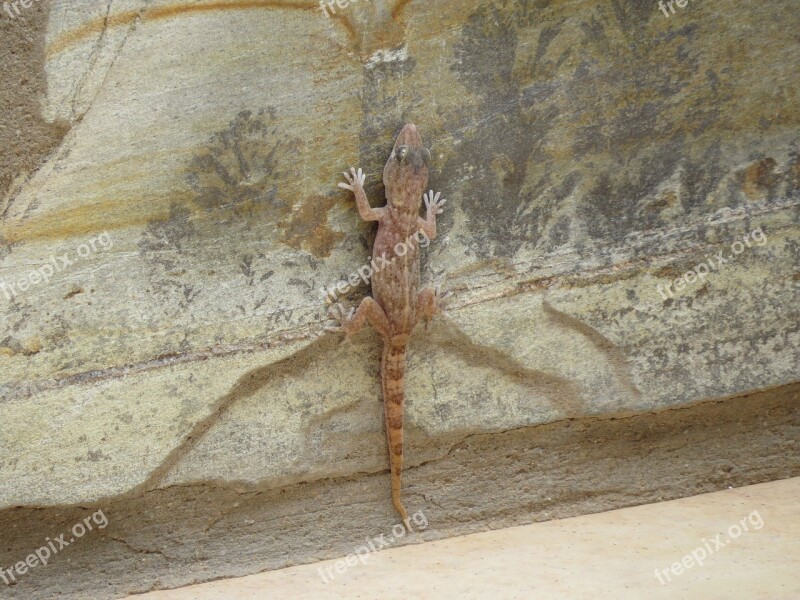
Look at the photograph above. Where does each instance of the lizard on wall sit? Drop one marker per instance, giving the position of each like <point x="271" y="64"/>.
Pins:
<point x="397" y="303"/>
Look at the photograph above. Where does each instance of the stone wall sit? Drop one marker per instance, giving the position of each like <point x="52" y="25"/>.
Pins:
<point x="621" y="237"/>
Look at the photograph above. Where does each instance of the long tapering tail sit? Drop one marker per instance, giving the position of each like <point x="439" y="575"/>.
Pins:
<point x="393" y="373"/>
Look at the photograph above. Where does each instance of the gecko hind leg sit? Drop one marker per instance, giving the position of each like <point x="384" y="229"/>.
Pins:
<point x="430" y="302"/>
<point x="350" y="323"/>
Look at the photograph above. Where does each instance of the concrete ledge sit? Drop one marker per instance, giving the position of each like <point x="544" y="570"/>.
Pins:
<point x="738" y="543"/>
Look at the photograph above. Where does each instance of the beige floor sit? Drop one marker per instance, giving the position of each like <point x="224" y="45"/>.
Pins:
<point x="612" y="555"/>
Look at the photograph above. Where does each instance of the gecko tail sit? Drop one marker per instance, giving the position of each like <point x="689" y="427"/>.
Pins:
<point x="394" y="363"/>
<point x="398" y="504"/>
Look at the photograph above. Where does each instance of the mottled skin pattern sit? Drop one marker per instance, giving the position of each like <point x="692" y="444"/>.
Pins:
<point x="397" y="304"/>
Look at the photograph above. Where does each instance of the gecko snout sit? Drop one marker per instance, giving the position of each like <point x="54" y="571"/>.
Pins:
<point x="409" y="136"/>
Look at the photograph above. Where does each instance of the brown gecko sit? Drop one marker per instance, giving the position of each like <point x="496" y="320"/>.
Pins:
<point x="397" y="303"/>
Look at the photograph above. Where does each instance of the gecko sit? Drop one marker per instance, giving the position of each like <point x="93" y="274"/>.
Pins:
<point x="397" y="304"/>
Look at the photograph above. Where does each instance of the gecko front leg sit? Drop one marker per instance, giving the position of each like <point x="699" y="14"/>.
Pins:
<point x="355" y="183"/>
<point x="433" y="207"/>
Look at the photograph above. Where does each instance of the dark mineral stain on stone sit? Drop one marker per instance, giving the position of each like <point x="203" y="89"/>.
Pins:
<point x="234" y="180"/>
<point x="495" y="149"/>
<point x="759" y="179"/>
<point x="307" y="227"/>
<point x="162" y="245"/>
<point x="172" y="234"/>
<point x="236" y="176"/>
<point x="636" y="110"/>
<point x="509" y="156"/>
<point x="634" y="14"/>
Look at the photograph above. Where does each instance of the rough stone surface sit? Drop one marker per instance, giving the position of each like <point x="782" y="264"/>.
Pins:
<point x="191" y="533"/>
<point x="614" y="555"/>
<point x="184" y="156"/>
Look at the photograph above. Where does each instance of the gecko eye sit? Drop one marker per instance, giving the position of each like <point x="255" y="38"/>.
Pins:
<point x="402" y="152"/>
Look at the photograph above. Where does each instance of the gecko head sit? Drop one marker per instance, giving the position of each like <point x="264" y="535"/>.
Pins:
<point x="406" y="173"/>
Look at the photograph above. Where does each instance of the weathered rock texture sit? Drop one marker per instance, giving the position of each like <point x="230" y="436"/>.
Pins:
<point x="184" y="157"/>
